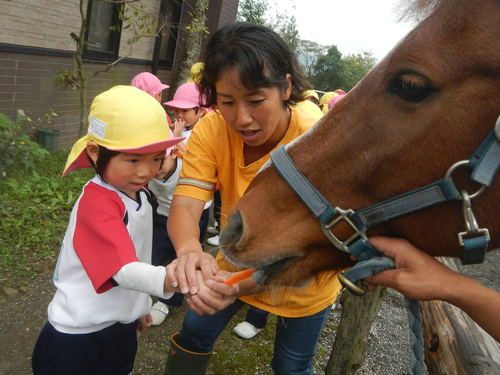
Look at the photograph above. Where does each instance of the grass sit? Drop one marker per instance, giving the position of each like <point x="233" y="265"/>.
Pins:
<point x="34" y="212"/>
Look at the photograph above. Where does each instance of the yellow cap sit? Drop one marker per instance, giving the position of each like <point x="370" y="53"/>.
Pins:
<point x="124" y="119"/>
<point x="323" y="102"/>
<point x="311" y="94"/>
<point x="325" y="98"/>
<point x="195" y="72"/>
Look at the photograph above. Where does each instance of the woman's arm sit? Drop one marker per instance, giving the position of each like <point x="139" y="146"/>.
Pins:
<point x="183" y="230"/>
<point x="420" y="276"/>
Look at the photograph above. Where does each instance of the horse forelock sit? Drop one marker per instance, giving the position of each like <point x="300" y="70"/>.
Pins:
<point x="415" y="9"/>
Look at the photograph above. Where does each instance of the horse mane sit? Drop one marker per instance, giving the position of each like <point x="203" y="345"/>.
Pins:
<point x="415" y="10"/>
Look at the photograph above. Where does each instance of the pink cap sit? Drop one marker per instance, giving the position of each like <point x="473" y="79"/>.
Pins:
<point x="187" y="96"/>
<point x="149" y="83"/>
<point x="335" y="100"/>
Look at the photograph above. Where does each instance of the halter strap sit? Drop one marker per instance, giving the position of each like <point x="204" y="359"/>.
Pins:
<point x="484" y="162"/>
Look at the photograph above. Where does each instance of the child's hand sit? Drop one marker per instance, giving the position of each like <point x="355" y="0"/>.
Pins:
<point x="178" y="126"/>
<point x="167" y="165"/>
<point x="213" y="295"/>
<point x="144" y="322"/>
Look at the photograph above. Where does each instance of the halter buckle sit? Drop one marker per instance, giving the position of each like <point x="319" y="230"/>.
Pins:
<point x="352" y="287"/>
<point x="472" y="228"/>
<point x="338" y="243"/>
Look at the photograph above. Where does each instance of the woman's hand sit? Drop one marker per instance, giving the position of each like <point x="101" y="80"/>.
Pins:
<point x="213" y="296"/>
<point x="420" y="276"/>
<point x="183" y="272"/>
<point x="417" y="274"/>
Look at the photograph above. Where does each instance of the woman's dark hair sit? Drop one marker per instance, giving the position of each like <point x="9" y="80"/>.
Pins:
<point x="261" y="57"/>
<point x="103" y="159"/>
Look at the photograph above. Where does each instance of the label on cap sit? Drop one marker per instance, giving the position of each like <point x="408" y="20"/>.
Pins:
<point x="97" y="127"/>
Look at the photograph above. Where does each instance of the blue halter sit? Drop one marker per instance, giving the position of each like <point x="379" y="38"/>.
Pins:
<point x="484" y="163"/>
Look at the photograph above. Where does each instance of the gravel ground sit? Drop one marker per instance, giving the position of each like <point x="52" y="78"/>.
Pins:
<point x="388" y="342"/>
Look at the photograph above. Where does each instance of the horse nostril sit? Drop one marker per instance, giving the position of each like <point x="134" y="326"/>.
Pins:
<point x="233" y="230"/>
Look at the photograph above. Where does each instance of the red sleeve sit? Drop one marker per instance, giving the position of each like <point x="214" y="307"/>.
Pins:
<point x="101" y="239"/>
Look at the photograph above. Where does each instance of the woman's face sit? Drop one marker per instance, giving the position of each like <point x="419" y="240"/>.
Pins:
<point x="257" y="115"/>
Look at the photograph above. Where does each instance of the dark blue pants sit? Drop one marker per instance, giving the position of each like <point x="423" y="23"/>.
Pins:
<point x="110" y="351"/>
<point x="256" y="316"/>
<point x="294" y="343"/>
<point x="164" y="251"/>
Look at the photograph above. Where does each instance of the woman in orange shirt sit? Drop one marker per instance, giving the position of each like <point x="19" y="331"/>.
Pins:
<point x="253" y="79"/>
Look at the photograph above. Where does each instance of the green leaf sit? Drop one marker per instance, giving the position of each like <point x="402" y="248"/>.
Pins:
<point x="75" y="37"/>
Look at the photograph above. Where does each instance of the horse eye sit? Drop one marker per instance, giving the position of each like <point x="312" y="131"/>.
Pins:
<point x="411" y="86"/>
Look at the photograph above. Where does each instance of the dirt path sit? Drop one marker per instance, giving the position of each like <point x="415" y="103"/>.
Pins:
<point x="24" y="314"/>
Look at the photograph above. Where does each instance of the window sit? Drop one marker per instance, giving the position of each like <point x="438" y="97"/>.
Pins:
<point x="170" y="17"/>
<point x="102" y="36"/>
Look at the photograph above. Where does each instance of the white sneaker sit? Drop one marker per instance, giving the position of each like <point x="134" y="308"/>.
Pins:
<point x="214" y="241"/>
<point x="159" y="312"/>
<point x="246" y="330"/>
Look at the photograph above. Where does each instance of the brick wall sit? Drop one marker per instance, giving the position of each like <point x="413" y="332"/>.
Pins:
<point x="26" y="82"/>
<point x="48" y="24"/>
<point x="26" y="79"/>
<point x="21" y="22"/>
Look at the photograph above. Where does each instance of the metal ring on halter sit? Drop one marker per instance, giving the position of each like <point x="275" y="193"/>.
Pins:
<point x="353" y="288"/>
<point x="462" y="163"/>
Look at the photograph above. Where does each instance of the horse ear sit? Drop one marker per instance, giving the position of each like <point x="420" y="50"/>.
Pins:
<point x="288" y="91"/>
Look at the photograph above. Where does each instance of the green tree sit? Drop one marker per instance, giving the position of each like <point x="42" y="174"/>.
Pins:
<point x="333" y="71"/>
<point x="192" y="47"/>
<point x="286" y="27"/>
<point x="253" y="11"/>
<point x="260" y="13"/>
<point x="308" y="54"/>
<point x="355" y="67"/>
<point x="328" y="71"/>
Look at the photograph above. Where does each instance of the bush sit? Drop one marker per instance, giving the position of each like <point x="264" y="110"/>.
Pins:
<point x="34" y="210"/>
<point x="17" y="150"/>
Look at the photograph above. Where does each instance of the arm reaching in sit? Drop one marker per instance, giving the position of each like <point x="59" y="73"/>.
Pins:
<point x="420" y="276"/>
<point x="184" y="232"/>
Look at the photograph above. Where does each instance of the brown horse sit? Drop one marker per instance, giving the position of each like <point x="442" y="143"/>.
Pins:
<point x="427" y="105"/>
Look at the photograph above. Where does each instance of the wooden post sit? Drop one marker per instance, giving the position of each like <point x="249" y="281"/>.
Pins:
<point x="349" y="347"/>
<point x="454" y="343"/>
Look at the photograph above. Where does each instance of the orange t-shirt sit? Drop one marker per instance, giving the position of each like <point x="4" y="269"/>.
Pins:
<point x="215" y="155"/>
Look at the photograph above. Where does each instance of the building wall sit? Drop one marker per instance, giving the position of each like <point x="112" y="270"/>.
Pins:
<point x="48" y="24"/>
<point x="42" y="23"/>
<point x="29" y="60"/>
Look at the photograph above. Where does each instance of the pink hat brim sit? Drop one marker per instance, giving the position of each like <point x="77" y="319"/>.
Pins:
<point x="183" y="104"/>
<point x="162" y="87"/>
<point x="82" y="161"/>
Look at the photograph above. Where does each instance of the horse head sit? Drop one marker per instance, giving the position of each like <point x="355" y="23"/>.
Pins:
<point x="425" y="106"/>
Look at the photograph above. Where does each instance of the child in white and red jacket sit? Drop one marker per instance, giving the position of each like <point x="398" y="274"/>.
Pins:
<point x="104" y="277"/>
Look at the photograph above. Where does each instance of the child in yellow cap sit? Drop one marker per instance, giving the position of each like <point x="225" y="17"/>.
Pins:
<point x="325" y="98"/>
<point x="310" y="105"/>
<point x="103" y="275"/>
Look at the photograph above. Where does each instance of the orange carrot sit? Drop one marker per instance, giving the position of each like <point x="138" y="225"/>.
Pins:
<point x="239" y="276"/>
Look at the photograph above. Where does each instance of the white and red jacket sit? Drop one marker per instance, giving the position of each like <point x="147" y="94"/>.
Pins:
<point x="107" y="230"/>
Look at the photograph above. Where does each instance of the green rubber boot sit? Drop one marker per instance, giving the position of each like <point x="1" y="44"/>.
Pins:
<point x="183" y="362"/>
